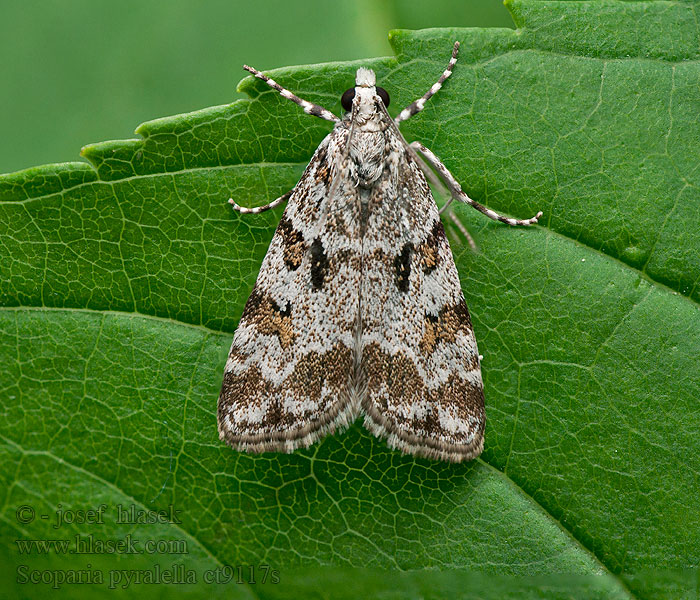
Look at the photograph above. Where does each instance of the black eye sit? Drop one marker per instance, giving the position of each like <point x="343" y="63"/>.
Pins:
<point x="384" y="95"/>
<point x="346" y="100"/>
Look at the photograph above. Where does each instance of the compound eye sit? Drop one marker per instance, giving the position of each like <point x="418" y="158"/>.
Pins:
<point x="384" y="95"/>
<point x="346" y="100"/>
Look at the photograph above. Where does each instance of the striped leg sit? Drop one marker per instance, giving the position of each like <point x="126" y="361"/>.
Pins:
<point x="309" y="108"/>
<point x="258" y="209"/>
<point x="458" y="194"/>
<point x="418" y="105"/>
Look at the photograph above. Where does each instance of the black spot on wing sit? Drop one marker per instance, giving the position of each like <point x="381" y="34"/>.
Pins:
<point x="402" y="267"/>
<point x="319" y="264"/>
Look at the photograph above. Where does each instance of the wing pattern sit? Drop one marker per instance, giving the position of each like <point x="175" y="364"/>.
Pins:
<point x="291" y="366"/>
<point x="418" y="350"/>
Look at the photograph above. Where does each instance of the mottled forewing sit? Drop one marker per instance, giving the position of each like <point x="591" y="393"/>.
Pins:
<point x="419" y="354"/>
<point x="288" y="373"/>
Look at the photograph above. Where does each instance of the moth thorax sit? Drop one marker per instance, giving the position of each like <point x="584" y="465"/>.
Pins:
<point x="367" y="151"/>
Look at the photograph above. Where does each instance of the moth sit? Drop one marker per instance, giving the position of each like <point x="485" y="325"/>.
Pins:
<point x="358" y="309"/>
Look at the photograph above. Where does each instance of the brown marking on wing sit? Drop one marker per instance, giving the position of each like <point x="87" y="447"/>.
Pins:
<point x="429" y="249"/>
<point x="398" y="376"/>
<point x="293" y="245"/>
<point x="268" y="318"/>
<point x="444" y="328"/>
<point x="306" y="384"/>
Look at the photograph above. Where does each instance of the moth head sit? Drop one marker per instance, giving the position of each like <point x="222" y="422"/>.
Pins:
<point x="365" y="90"/>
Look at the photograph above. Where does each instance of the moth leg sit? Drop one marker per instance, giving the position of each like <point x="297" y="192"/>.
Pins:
<point x="309" y="107"/>
<point x="458" y="194"/>
<point x="417" y="106"/>
<point x="259" y="209"/>
<point x="463" y="230"/>
<point x="437" y="182"/>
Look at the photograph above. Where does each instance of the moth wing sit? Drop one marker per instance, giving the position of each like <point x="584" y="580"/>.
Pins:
<point x="288" y="376"/>
<point x="418" y="350"/>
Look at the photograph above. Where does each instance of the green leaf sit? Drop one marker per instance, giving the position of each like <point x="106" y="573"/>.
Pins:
<point x="122" y="282"/>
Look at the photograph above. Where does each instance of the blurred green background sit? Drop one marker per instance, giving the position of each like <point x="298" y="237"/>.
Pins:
<point x="79" y="71"/>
